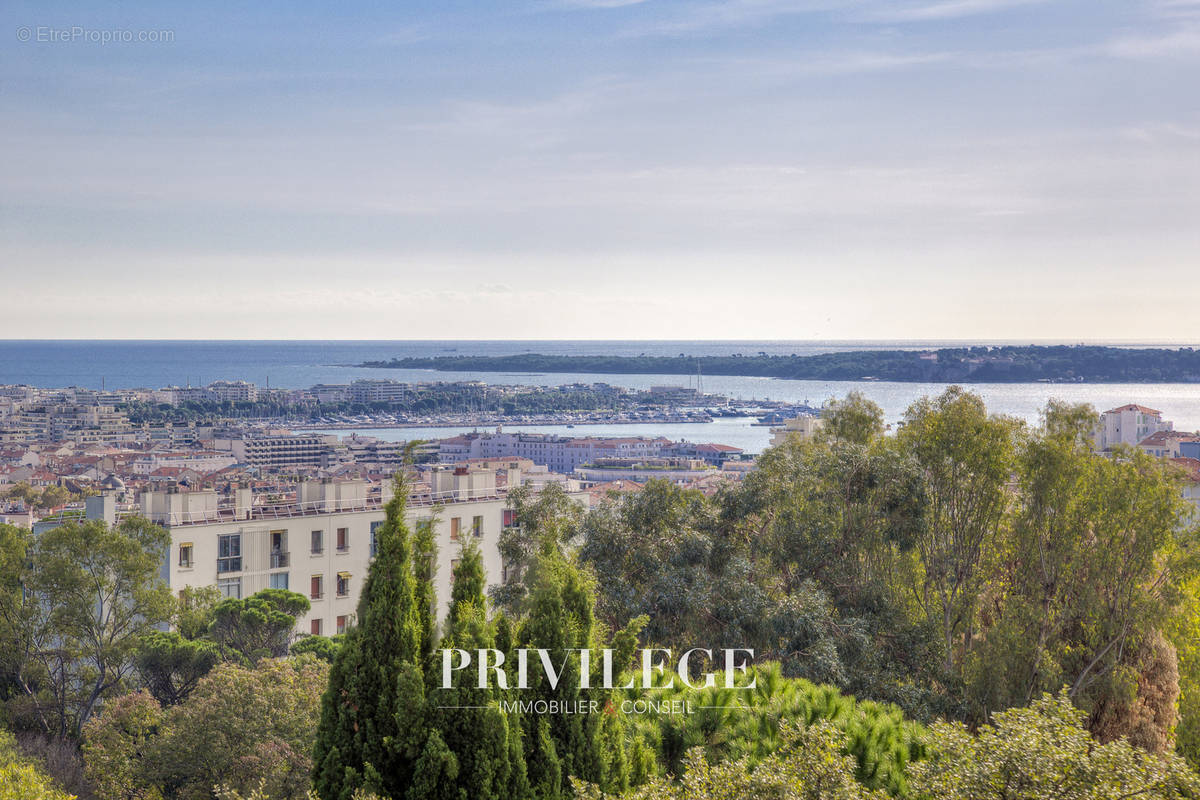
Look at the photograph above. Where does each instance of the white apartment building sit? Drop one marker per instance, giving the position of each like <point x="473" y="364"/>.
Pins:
<point x="371" y="390"/>
<point x="175" y="395"/>
<point x="321" y="543"/>
<point x="276" y="451"/>
<point x="83" y="424"/>
<point x="202" y="461"/>
<point x="233" y="391"/>
<point x="1128" y="424"/>
<point x="558" y="453"/>
<point x="676" y="470"/>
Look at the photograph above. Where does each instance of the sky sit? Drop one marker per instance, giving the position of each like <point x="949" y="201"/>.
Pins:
<point x="611" y="169"/>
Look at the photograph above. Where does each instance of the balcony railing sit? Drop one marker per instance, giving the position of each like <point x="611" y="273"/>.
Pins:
<point x="229" y="512"/>
<point x="280" y="559"/>
<point x="229" y="565"/>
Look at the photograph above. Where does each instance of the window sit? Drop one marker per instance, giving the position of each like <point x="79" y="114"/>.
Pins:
<point x="279" y="580"/>
<point x="343" y="539"/>
<point x="279" y="551"/>
<point x="455" y="522"/>
<point x="341" y="624"/>
<point x="314" y="627"/>
<point x="509" y="517"/>
<point x="316" y="588"/>
<point x="374" y="537"/>
<point x="453" y="567"/>
<point x="343" y="584"/>
<point x="230" y="587"/>
<point x="229" y="553"/>
<point x="477" y="526"/>
<point x="185" y="554"/>
<point x="318" y="542"/>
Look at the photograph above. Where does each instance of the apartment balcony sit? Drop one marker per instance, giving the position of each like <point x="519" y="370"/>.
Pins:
<point x="229" y="565"/>
<point x="280" y="559"/>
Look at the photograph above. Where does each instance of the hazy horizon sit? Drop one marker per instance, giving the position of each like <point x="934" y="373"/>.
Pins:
<point x="998" y="341"/>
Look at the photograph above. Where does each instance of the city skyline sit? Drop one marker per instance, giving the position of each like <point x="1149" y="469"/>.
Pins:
<point x="602" y="169"/>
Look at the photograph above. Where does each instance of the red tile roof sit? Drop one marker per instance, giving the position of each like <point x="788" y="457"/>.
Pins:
<point x="1134" y="407"/>
<point x="1159" y="438"/>
<point x="1191" y="466"/>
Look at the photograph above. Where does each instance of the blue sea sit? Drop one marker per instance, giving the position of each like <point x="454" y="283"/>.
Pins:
<point x="129" y="364"/>
<point x="300" y="364"/>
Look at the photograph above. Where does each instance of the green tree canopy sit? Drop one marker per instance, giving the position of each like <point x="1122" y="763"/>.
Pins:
<point x="77" y="600"/>
<point x="260" y="626"/>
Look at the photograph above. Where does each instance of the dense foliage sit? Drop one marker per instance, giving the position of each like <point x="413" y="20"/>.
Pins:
<point x="1027" y="754"/>
<point x="388" y="726"/>
<point x="963" y="566"/>
<point x="969" y="608"/>
<point x="747" y="724"/>
<point x="21" y="779"/>
<point x="74" y="604"/>
<point x="241" y="728"/>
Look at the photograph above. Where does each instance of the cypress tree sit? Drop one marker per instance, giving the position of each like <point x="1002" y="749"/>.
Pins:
<point x="486" y="742"/>
<point x="387" y="726"/>
<point x="374" y="717"/>
<point x="562" y="620"/>
<point x="425" y="567"/>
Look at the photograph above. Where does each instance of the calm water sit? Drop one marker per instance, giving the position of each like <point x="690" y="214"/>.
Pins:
<point x="1178" y="402"/>
<point x="726" y="430"/>
<point x="127" y="364"/>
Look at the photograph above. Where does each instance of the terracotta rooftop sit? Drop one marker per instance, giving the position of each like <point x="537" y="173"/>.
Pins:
<point x="1191" y="466"/>
<point x="1134" y="407"/>
<point x="1162" y="437"/>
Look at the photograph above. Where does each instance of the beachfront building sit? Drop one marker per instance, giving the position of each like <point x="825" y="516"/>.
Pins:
<point x="369" y="390"/>
<point x="67" y="422"/>
<point x="1128" y="424"/>
<point x="233" y="391"/>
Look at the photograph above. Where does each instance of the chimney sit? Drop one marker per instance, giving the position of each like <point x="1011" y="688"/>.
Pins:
<point x="243" y="501"/>
<point x="103" y="507"/>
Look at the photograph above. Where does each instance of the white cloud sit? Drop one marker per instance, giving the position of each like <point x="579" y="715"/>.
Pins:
<point x="600" y="3"/>
<point x="1181" y="42"/>
<point x="684" y="19"/>
<point x="946" y="9"/>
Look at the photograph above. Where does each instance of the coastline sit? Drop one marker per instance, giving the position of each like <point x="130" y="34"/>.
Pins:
<point x="1058" y="364"/>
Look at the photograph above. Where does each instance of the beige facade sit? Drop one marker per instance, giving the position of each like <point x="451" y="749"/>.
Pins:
<point x="321" y="544"/>
<point x="1128" y="424"/>
<point x="804" y="426"/>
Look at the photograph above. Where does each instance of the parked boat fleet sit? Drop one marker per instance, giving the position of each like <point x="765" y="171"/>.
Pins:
<point x="766" y="414"/>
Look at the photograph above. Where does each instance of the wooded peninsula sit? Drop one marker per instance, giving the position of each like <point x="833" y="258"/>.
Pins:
<point x="983" y="364"/>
